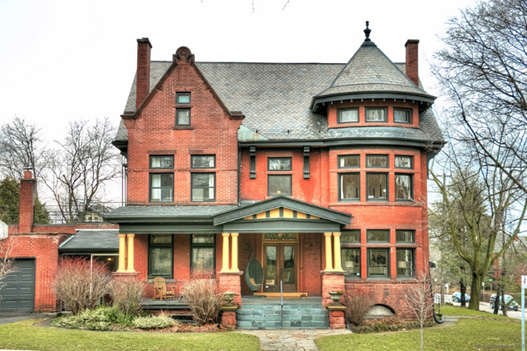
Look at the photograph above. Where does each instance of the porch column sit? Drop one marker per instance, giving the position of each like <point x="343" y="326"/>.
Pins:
<point x="130" y="253"/>
<point x="329" y="256"/>
<point x="234" y="253"/>
<point x="336" y="249"/>
<point x="225" y="257"/>
<point x="122" y="253"/>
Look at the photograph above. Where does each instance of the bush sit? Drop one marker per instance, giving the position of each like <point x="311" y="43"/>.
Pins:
<point x="126" y="294"/>
<point x="80" y="284"/>
<point x="153" y="322"/>
<point x="357" y="306"/>
<point x="96" y="319"/>
<point x="388" y="324"/>
<point x="204" y="298"/>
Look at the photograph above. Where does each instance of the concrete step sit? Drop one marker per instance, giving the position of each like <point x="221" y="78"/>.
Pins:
<point x="278" y="317"/>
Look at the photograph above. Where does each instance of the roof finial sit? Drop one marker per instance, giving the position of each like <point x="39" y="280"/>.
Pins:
<point x="367" y="31"/>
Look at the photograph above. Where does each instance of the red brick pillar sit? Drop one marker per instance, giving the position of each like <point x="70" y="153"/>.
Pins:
<point x="27" y="202"/>
<point x="230" y="281"/>
<point x="331" y="281"/>
<point x="228" y="318"/>
<point x="336" y="317"/>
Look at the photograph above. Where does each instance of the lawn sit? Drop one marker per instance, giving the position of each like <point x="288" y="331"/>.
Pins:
<point x="26" y="336"/>
<point x="469" y="334"/>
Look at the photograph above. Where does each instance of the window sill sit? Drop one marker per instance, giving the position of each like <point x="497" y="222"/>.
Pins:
<point x="182" y="127"/>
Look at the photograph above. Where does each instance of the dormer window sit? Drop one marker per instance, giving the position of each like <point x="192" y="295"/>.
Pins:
<point x="376" y="114"/>
<point x="402" y="115"/>
<point x="348" y="115"/>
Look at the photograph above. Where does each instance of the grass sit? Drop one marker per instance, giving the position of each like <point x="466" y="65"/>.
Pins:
<point x="495" y="332"/>
<point x="26" y="336"/>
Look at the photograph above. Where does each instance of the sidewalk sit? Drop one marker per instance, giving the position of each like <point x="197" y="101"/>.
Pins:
<point x="291" y="339"/>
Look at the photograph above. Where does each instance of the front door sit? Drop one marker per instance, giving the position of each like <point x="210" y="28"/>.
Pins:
<point x="280" y="265"/>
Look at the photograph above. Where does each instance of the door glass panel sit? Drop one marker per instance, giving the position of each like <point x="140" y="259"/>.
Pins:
<point x="270" y="276"/>
<point x="289" y="265"/>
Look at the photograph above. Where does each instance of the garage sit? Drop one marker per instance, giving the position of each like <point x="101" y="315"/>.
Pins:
<point x="18" y="293"/>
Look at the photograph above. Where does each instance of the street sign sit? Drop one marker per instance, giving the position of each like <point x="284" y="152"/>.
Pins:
<point x="490" y="279"/>
<point x="524" y="281"/>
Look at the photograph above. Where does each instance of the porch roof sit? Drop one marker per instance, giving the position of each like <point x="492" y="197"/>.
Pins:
<point x="92" y="242"/>
<point x="219" y="219"/>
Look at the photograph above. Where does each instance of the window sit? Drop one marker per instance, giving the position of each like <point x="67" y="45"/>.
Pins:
<point x="378" y="262"/>
<point x="404" y="236"/>
<point x="203" y="161"/>
<point x="377" y="186"/>
<point x="379" y="236"/>
<point x="349" y="161"/>
<point x="405" y="262"/>
<point x="351" y="261"/>
<point x="203" y="185"/>
<point x="405" y="162"/>
<point x="402" y="115"/>
<point x="163" y="162"/>
<point x="182" y="98"/>
<point x="279" y="185"/>
<point x="160" y="256"/>
<point x="202" y="260"/>
<point x="376" y="114"/>
<point x="377" y="161"/>
<point x="350" y="237"/>
<point x="182" y="116"/>
<point x="161" y="187"/>
<point x="403" y="187"/>
<point x="349" y="186"/>
<point x="279" y="163"/>
<point x="348" y="115"/>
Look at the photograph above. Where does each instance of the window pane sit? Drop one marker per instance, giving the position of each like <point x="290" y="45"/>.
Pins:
<point x="203" y="187"/>
<point x="404" y="162"/>
<point x="375" y="115"/>
<point x="161" y="239"/>
<point x="288" y="274"/>
<point x="203" y="161"/>
<point x="405" y="262"/>
<point x="279" y="164"/>
<point x="203" y="260"/>
<point x="377" y="161"/>
<point x="161" y="261"/>
<point x="349" y="186"/>
<point x="161" y="161"/>
<point x="404" y="236"/>
<point x="161" y="187"/>
<point x="182" y="117"/>
<point x="349" y="161"/>
<point x="377" y="187"/>
<point x="270" y="275"/>
<point x="379" y="235"/>
<point x="351" y="261"/>
<point x="378" y="262"/>
<point x="402" y="116"/>
<point x="403" y="187"/>
<point x="182" y="98"/>
<point x="202" y="239"/>
<point x="279" y="185"/>
<point x="352" y="236"/>
<point x="348" y="115"/>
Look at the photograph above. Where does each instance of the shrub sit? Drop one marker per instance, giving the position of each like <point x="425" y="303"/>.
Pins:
<point x="153" y="322"/>
<point x="80" y="284"/>
<point x="357" y="306"/>
<point x="204" y="298"/>
<point x="96" y="319"/>
<point x="126" y="294"/>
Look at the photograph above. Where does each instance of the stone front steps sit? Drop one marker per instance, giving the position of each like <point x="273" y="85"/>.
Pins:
<point x="268" y="314"/>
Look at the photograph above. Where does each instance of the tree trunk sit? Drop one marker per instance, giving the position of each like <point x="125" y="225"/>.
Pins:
<point x="496" y="301"/>
<point x="475" y="291"/>
<point x="463" y="290"/>
<point x="503" y="303"/>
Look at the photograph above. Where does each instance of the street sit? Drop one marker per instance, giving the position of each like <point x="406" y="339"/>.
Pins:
<point x="485" y="306"/>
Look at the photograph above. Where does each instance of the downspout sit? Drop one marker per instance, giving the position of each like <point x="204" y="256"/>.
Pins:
<point x="238" y="165"/>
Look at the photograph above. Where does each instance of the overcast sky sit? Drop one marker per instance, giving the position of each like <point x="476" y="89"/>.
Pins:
<point x="65" y="60"/>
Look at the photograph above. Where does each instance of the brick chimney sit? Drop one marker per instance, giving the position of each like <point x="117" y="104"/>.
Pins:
<point x="27" y="202"/>
<point x="143" y="71"/>
<point x="412" y="66"/>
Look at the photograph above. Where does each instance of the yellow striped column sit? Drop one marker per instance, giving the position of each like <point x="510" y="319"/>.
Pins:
<point x="336" y="249"/>
<point x="234" y="253"/>
<point x="329" y="256"/>
<point x="225" y="254"/>
<point x="130" y="257"/>
<point x="122" y="253"/>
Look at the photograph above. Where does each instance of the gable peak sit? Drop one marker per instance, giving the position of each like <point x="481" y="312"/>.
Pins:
<point x="183" y="55"/>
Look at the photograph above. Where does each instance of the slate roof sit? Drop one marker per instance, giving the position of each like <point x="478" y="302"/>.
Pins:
<point x="92" y="241"/>
<point x="276" y="97"/>
<point x="169" y="212"/>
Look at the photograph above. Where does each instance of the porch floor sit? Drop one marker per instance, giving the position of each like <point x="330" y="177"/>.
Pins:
<point x="149" y="304"/>
<point x="262" y="300"/>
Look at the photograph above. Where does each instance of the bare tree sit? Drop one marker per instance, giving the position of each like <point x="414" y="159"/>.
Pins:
<point x="7" y="264"/>
<point x="84" y="161"/>
<point x="483" y="69"/>
<point x="419" y="302"/>
<point x="21" y="145"/>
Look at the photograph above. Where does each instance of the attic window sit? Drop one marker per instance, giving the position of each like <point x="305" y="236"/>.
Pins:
<point x="376" y="114"/>
<point x="348" y="115"/>
<point x="182" y="98"/>
<point x="402" y="115"/>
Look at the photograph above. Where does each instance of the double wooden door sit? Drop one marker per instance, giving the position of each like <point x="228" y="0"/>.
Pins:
<point x="280" y="265"/>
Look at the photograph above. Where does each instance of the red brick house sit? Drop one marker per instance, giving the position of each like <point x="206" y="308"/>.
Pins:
<point x="318" y="171"/>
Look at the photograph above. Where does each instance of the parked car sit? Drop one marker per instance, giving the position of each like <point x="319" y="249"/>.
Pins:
<point x="456" y="297"/>
<point x="509" y="301"/>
